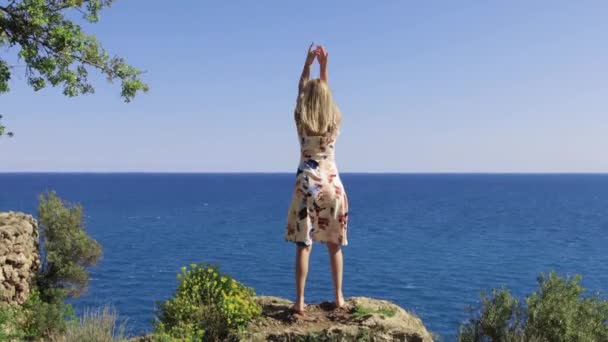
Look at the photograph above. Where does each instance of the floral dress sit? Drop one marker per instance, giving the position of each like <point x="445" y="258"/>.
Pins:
<point x="319" y="206"/>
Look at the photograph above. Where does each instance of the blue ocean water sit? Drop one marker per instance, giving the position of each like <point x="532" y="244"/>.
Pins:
<point x="429" y="242"/>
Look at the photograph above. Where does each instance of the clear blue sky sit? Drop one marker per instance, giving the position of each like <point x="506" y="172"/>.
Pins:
<point x="438" y="86"/>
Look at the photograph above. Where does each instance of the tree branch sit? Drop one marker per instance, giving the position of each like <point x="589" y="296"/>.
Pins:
<point x="56" y="49"/>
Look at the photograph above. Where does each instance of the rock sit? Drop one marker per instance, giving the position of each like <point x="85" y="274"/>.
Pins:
<point x="360" y="319"/>
<point x="19" y="256"/>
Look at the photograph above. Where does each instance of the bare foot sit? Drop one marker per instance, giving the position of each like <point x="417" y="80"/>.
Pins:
<point x="298" y="308"/>
<point x="339" y="302"/>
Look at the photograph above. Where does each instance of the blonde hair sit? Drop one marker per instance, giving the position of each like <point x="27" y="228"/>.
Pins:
<point x="316" y="112"/>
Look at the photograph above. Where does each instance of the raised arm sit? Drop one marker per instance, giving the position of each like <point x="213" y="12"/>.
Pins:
<point x="310" y="58"/>
<point x="322" y="58"/>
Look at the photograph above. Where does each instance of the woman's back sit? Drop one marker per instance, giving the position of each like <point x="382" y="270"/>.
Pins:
<point x="318" y="147"/>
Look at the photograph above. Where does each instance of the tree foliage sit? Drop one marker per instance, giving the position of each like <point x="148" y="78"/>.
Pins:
<point x="68" y="250"/>
<point x="556" y="312"/>
<point x="55" y="49"/>
<point x="3" y="129"/>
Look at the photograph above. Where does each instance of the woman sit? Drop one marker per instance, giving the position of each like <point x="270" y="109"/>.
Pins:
<point x="319" y="207"/>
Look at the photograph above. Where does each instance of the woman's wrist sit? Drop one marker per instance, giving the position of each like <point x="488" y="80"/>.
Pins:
<point x="323" y="73"/>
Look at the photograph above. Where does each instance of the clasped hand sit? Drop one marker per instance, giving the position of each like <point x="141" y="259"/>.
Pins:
<point x="319" y="53"/>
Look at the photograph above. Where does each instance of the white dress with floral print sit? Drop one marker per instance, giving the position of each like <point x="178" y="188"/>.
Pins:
<point x="319" y="206"/>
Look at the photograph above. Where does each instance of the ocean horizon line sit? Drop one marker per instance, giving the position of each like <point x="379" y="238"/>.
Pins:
<point x="342" y="172"/>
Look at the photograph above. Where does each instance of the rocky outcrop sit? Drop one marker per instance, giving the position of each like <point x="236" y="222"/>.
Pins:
<point x="19" y="256"/>
<point x="360" y="319"/>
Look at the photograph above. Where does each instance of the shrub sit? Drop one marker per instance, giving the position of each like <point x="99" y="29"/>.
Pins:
<point x="498" y="319"/>
<point x="10" y="319"/>
<point x="556" y="312"/>
<point x="206" y="306"/>
<point x="45" y="319"/>
<point x="34" y="319"/>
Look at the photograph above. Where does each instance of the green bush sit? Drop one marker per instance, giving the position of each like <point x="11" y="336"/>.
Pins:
<point x="45" y="319"/>
<point x="11" y="318"/>
<point x="556" y="312"/>
<point x="206" y="306"/>
<point x="34" y="319"/>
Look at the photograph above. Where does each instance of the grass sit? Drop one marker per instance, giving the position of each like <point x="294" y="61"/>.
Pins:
<point x="97" y="325"/>
<point x="361" y="311"/>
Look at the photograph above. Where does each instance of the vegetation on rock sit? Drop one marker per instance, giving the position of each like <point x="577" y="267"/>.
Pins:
<point x="361" y="311"/>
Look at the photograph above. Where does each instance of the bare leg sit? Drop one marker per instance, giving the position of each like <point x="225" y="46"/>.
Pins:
<point x="336" y="262"/>
<point x="302" y="256"/>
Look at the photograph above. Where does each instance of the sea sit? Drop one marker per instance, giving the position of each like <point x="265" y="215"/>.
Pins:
<point x="428" y="242"/>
